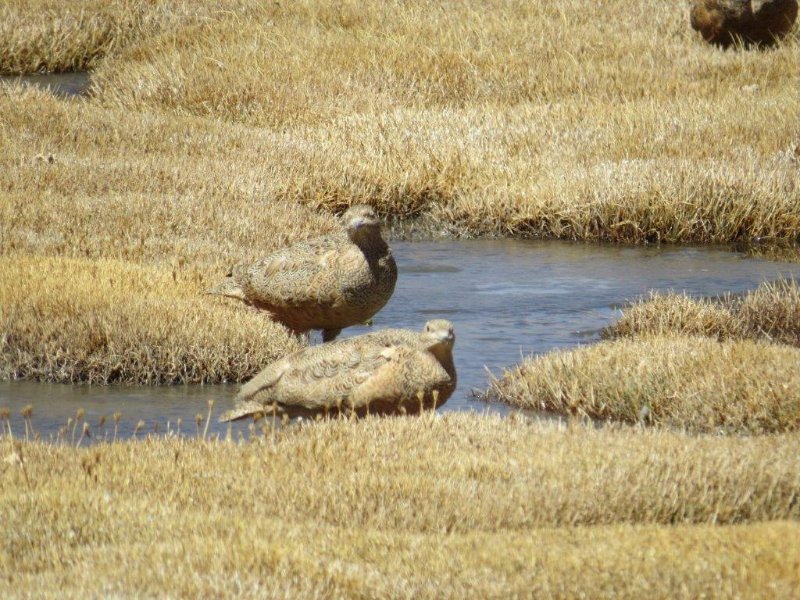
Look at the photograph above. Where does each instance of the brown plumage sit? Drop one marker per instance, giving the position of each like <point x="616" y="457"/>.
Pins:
<point x="390" y="371"/>
<point x="725" y="22"/>
<point x="326" y="283"/>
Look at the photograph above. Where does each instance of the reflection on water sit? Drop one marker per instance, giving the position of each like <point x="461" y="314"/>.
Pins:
<point x="507" y="299"/>
<point x="54" y="403"/>
<point x="61" y="84"/>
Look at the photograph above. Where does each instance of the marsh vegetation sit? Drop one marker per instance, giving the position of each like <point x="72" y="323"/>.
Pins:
<point x="770" y="313"/>
<point x="724" y="364"/>
<point x="214" y="133"/>
<point x="679" y="381"/>
<point x="209" y="125"/>
<point x="430" y="507"/>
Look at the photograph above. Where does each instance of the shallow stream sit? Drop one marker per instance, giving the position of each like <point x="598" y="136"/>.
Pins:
<point x="60" y="84"/>
<point x="507" y="299"/>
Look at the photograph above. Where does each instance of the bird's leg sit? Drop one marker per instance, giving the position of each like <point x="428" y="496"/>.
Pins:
<point x="328" y="335"/>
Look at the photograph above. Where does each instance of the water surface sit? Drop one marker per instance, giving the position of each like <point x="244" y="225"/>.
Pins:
<point x="60" y="84"/>
<point x="507" y="299"/>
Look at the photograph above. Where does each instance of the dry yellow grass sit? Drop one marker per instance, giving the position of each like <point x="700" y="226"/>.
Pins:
<point x="683" y="382"/>
<point x="523" y="118"/>
<point x="106" y="321"/>
<point x="271" y="559"/>
<point x="217" y="131"/>
<point x="771" y="312"/>
<point x="454" y="506"/>
<point x="53" y="35"/>
<point x="82" y="181"/>
<point x="528" y="119"/>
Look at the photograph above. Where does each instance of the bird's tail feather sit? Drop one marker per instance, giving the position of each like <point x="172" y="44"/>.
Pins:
<point x="242" y="410"/>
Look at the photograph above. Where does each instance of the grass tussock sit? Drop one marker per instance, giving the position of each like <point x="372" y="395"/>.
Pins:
<point x="771" y="312"/>
<point x="106" y="321"/>
<point x="55" y="36"/>
<point x="691" y="383"/>
<point x="157" y="195"/>
<point x="430" y="508"/>
<point x="483" y="123"/>
<point x="476" y="119"/>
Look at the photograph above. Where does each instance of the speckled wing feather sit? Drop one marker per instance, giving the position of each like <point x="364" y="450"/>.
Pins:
<point x="318" y="378"/>
<point x="391" y="337"/>
<point x="408" y="378"/>
<point x="306" y="273"/>
<point x="405" y="337"/>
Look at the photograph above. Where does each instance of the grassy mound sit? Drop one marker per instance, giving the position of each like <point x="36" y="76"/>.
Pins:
<point x="73" y="35"/>
<point x="771" y="312"/>
<point x="107" y="321"/>
<point x="684" y="382"/>
<point x="527" y="120"/>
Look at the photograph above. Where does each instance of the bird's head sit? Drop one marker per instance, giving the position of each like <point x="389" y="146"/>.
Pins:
<point x="438" y="334"/>
<point x="361" y="220"/>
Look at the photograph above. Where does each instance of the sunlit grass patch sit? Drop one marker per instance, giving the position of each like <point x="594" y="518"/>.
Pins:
<point x="476" y="120"/>
<point x="478" y="171"/>
<point x="104" y="321"/>
<point x="456" y="473"/>
<point x="309" y="61"/>
<point x="771" y="312"/>
<point x="270" y="558"/>
<point x="691" y="383"/>
<point x="82" y="181"/>
<point x="72" y="35"/>
<point x="405" y="506"/>
<point x="489" y="129"/>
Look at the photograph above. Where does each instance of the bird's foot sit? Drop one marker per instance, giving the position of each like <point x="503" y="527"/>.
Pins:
<point x="328" y="335"/>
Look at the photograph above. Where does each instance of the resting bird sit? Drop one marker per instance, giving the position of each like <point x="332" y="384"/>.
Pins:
<point x="729" y="22"/>
<point x="385" y="372"/>
<point x="326" y="283"/>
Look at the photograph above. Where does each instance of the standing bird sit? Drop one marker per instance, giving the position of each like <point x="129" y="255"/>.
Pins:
<point x="328" y="283"/>
<point x="385" y="372"/>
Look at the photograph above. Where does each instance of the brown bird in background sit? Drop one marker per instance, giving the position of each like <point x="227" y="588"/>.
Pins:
<point x="727" y="22"/>
<point x="328" y="283"/>
<point x="386" y="372"/>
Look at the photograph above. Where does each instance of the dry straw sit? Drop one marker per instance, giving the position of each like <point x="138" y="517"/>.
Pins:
<point x="771" y="312"/>
<point x="112" y="321"/>
<point x="678" y="381"/>
<point x="473" y="117"/>
<point x="420" y="507"/>
<point x="48" y="35"/>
